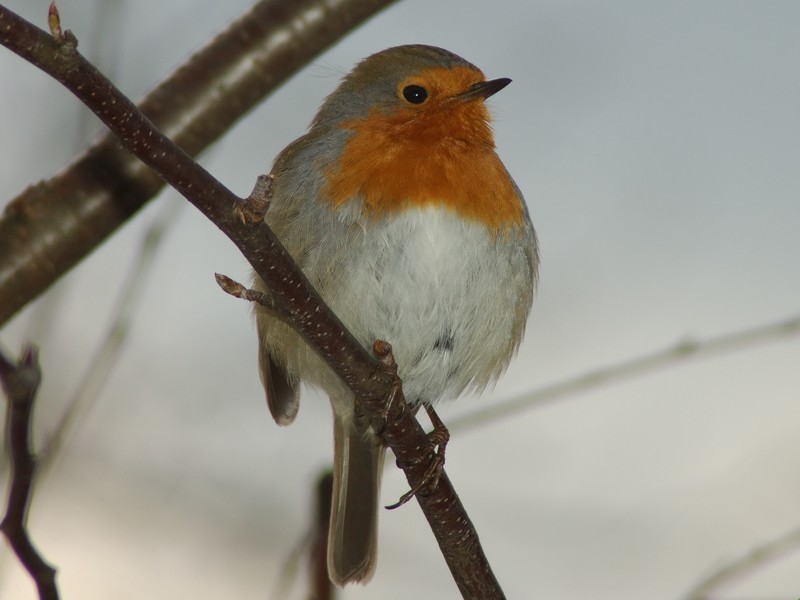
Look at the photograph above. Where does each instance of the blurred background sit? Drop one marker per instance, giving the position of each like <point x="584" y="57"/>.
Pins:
<point x="658" y="147"/>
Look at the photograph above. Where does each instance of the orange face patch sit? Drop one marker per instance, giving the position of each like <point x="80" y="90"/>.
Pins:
<point x="438" y="152"/>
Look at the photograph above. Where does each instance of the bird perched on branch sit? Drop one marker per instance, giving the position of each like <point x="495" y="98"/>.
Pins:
<point x="397" y="208"/>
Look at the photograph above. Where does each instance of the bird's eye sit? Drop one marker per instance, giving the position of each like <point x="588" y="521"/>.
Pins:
<point x="415" y="94"/>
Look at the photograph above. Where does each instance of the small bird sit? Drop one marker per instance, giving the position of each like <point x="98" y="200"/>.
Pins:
<point x="397" y="208"/>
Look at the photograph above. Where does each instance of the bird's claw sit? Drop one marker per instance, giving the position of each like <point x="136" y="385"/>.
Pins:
<point x="438" y="439"/>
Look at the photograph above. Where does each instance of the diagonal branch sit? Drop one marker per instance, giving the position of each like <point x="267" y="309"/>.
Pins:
<point x="744" y="565"/>
<point x="371" y="381"/>
<point x="53" y="225"/>
<point x="20" y="382"/>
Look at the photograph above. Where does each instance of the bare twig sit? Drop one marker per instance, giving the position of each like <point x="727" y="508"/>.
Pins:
<point x="314" y="547"/>
<point x="287" y="573"/>
<point x="321" y="586"/>
<point x="744" y="565"/>
<point x="292" y="294"/>
<point x="685" y="350"/>
<point x="237" y="290"/>
<point x="20" y="382"/>
<point x="54" y="224"/>
<point x="108" y="352"/>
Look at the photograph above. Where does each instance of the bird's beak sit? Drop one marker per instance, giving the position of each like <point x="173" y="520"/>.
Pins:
<point x="484" y="89"/>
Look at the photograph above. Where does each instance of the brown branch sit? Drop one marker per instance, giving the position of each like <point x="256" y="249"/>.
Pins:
<point x="20" y="382"/>
<point x="370" y="380"/>
<point x="321" y="587"/>
<point x="53" y="225"/>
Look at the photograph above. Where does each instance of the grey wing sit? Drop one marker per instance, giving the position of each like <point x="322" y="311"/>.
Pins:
<point x="283" y="394"/>
<point x="285" y="216"/>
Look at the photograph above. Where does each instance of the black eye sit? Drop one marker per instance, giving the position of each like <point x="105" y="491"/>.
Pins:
<point x="415" y="94"/>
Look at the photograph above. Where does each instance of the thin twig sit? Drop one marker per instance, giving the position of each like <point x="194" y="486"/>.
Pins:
<point x="744" y="565"/>
<point x="682" y="351"/>
<point x="237" y="290"/>
<point x="287" y="573"/>
<point x="20" y="383"/>
<point x="314" y="547"/>
<point x="320" y="585"/>
<point x="108" y="352"/>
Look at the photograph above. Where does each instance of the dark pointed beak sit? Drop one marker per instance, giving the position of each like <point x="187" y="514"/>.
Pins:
<point x="484" y="89"/>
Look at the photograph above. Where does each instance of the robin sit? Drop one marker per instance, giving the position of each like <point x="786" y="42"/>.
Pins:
<point x="402" y="216"/>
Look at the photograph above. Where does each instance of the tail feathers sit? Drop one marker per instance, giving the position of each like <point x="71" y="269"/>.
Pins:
<point x="283" y="394"/>
<point x="353" y="535"/>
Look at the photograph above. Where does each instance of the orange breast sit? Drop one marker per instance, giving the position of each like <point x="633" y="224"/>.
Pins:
<point x="444" y="155"/>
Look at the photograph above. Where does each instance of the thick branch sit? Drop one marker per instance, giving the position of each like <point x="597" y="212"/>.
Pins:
<point x="54" y="224"/>
<point x="20" y="383"/>
<point x="369" y="380"/>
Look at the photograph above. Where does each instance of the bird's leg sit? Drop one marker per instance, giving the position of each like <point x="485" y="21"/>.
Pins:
<point x="394" y="406"/>
<point x="438" y="439"/>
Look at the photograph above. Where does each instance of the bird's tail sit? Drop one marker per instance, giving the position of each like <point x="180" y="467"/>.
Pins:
<point x="353" y="534"/>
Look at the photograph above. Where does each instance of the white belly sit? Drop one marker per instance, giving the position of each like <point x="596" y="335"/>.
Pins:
<point x="449" y="296"/>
